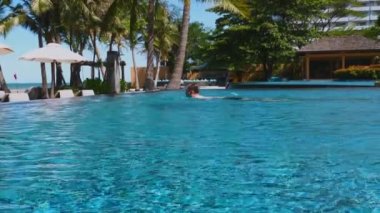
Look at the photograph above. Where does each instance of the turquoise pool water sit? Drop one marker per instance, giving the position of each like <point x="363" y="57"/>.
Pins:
<point x="281" y="151"/>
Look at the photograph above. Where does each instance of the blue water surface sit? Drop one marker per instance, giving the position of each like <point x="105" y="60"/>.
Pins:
<point x="276" y="151"/>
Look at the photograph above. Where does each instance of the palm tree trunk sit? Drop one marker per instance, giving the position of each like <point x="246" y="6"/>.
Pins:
<point x="75" y="80"/>
<point x="52" y="80"/>
<point x="93" y="67"/>
<point x="43" y="69"/>
<point x="3" y="83"/>
<point x="157" y="69"/>
<point x="112" y="41"/>
<point x="93" y="39"/>
<point x="149" y="82"/>
<point x="175" y="80"/>
<point x="97" y="52"/>
<point x="60" y="79"/>
<point x="134" y="68"/>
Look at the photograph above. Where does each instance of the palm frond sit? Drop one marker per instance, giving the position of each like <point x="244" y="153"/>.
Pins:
<point x="239" y="7"/>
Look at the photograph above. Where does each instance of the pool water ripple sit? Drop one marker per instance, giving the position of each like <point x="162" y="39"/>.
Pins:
<point x="276" y="150"/>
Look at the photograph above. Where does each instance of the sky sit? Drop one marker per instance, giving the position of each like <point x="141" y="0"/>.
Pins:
<point x="23" y="41"/>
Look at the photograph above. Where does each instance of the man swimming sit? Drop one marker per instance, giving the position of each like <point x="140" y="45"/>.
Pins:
<point x="192" y="91"/>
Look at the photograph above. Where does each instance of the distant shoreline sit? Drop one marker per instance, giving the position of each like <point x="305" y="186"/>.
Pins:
<point x="22" y="86"/>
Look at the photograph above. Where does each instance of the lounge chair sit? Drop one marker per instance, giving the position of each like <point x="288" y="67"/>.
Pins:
<point x="89" y="92"/>
<point x="65" y="93"/>
<point x="18" y="97"/>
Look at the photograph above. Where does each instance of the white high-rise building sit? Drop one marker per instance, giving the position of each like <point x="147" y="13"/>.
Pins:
<point x="370" y="10"/>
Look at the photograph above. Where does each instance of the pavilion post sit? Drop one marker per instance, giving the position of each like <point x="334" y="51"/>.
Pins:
<point x="307" y="68"/>
<point x="122" y="64"/>
<point x="343" y="61"/>
<point x="113" y="71"/>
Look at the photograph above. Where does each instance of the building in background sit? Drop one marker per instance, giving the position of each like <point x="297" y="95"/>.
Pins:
<point x="369" y="10"/>
<point x="324" y="56"/>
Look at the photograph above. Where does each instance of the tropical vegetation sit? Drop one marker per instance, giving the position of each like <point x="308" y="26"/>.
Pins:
<point x="371" y="72"/>
<point x="248" y="33"/>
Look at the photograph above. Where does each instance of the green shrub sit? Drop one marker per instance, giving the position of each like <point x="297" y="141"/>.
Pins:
<point x="358" y="73"/>
<point x="124" y="86"/>
<point x="99" y="86"/>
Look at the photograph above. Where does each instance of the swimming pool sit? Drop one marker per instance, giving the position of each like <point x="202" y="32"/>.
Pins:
<point x="283" y="150"/>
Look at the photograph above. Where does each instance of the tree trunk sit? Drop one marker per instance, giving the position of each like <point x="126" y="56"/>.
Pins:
<point x="111" y="42"/>
<point x="97" y="52"/>
<point x="270" y="70"/>
<point x="157" y="70"/>
<point x="175" y="80"/>
<point x="267" y="63"/>
<point x="93" y="39"/>
<point x="75" y="79"/>
<point x="265" y="69"/>
<point x="52" y="80"/>
<point x="3" y="83"/>
<point x="60" y="79"/>
<point x="135" y="69"/>
<point x="149" y="81"/>
<point x="43" y="69"/>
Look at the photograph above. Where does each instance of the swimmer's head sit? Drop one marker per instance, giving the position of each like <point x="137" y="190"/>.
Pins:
<point x="192" y="89"/>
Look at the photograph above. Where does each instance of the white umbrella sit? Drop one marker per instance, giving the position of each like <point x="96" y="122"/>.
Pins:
<point x="4" y="49"/>
<point x="53" y="53"/>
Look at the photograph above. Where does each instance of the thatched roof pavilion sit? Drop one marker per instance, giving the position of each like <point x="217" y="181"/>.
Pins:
<point x="325" y="55"/>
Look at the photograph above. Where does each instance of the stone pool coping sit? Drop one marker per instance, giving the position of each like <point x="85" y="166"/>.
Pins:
<point x="304" y="84"/>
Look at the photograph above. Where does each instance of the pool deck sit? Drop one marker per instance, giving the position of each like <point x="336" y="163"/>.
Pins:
<point x="212" y="87"/>
<point x="304" y="84"/>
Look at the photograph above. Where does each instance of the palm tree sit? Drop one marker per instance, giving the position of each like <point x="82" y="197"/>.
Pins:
<point x="175" y="81"/>
<point x="32" y="15"/>
<point x="47" y="19"/>
<point x="7" y="21"/>
<point x="237" y="6"/>
<point x="149" y="81"/>
<point x="92" y="11"/>
<point x="78" y="17"/>
<point x="86" y="21"/>
<point x="96" y="11"/>
<point x="166" y="36"/>
<point x="136" y="12"/>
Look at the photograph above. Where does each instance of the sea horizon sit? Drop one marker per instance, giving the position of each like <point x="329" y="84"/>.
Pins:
<point x="19" y="86"/>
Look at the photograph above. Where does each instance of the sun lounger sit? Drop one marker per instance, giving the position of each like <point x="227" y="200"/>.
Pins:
<point x="88" y="92"/>
<point x="66" y="93"/>
<point x="18" y="97"/>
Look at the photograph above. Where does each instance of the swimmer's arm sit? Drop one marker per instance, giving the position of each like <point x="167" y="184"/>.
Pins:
<point x="206" y="97"/>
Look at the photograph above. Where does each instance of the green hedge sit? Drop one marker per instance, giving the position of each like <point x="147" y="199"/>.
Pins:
<point x="358" y="73"/>
<point x="101" y="87"/>
<point x="124" y="86"/>
<point x="97" y="85"/>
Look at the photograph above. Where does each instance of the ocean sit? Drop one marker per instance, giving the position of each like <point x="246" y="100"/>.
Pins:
<point x="20" y="86"/>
